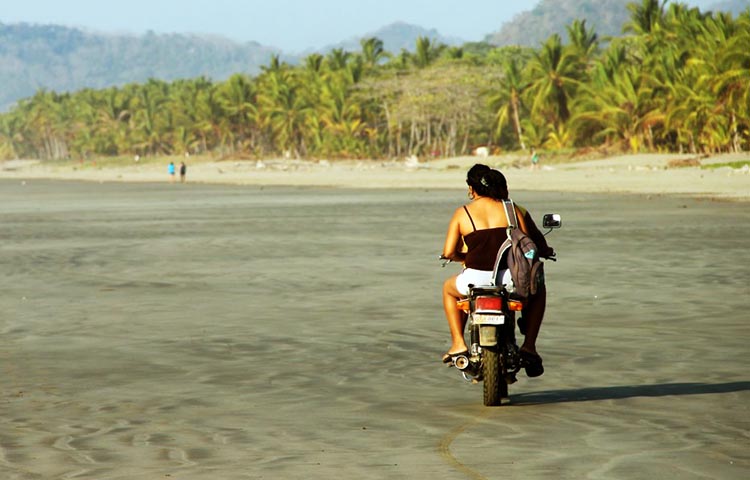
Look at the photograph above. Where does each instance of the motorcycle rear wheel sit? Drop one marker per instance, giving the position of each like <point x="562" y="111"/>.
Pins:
<point x="495" y="387"/>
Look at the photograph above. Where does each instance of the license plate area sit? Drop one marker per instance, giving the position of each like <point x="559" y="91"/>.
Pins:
<point x="488" y="319"/>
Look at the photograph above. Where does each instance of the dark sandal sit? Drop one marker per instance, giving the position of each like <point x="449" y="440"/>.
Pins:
<point x="522" y="325"/>
<point x="448" y="357"/>
<point x="532" y="363"/>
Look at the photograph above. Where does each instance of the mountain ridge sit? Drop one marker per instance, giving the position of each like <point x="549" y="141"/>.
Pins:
<point x="396" y="36"/>
<point x="605" y="17"/>
<point x="532" y="27"/>
<point x="59" y="58"/>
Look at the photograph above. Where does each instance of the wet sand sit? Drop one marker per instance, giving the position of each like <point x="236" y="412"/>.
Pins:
<point x="241" y="332"/>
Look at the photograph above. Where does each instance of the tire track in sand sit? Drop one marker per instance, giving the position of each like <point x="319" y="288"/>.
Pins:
<point x="444" y="447"/>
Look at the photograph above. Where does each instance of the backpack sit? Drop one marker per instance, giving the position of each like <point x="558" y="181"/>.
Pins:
<point x="519" y="254"/>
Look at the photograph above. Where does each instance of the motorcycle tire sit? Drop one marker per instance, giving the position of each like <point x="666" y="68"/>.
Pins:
<point x="494" y="385"/>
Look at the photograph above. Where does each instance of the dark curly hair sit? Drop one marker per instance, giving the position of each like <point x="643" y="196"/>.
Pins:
<point x="487" y="182"/>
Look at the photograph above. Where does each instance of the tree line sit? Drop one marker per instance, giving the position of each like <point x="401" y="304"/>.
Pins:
<point x="678" y="80"/>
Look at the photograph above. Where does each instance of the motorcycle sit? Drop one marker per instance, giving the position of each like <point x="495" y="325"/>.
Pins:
<point x="493" y="357"/>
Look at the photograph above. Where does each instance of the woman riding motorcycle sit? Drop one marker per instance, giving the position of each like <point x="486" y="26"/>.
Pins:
<point x="481" y="227"/>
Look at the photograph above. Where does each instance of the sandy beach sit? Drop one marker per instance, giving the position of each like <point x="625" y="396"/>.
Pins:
<point x="283" y="321"/>
<point x="645" y="174"/>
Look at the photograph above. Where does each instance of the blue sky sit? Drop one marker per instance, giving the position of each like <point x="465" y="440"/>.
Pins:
<point x="292" y="25"/>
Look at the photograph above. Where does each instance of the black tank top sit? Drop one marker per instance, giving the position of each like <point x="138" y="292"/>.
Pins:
<point x="482" y="246"/>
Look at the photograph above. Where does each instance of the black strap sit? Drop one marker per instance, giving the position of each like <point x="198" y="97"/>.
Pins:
<point x="470" y="219"/>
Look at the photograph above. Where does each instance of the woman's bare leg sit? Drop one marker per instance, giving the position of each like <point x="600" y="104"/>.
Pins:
<point x="456" y="318"/>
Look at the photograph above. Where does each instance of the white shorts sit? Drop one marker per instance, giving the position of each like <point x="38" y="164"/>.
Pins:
<point x="480" y="277"/>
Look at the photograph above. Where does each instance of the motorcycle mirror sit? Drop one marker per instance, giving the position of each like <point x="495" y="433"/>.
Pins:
<point x="552" y="220"/>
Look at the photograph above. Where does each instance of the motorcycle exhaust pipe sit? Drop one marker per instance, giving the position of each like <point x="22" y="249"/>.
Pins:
<point x="461" y="362"/>
<point x="467" y="369"/>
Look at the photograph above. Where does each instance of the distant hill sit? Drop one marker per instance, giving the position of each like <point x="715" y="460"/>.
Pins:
<point x="395" y="37"/>
<point x="64" y="59"/>
<point x="533" y="27"/>
<point x="606" y="17"/>
<point x="67" y="59"/>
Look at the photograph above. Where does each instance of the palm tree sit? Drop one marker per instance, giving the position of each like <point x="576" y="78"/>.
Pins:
<point x="454" y="53"/>
<point x="337" y="59"/>
<point x="113" y="116"/>
<point x="150" y="118"/>
<point x="731" y="83"/>
<point x="559" y="138"/>
<point x="10" y="136"/>
<point x="196" y="122"/>
<point x="535" y="132"/>
<point x="341" y="119"/>
<point x="237" y="99"/>
<point x="689" y="114"/>
<point x="283" y="109"/>
<point x="427" y="52"/>
<point x="615" y="58"/>
<point x="80" y="116"/>
<point x="209" y="124"/>
<point x="46" y="125"/>
<point x="274" y="65"/>
<point x="554" y="77"/>
<point x="403" y="60"/>
<point x="620" y="107"/>
<point x="507" y="100"/>
<point x="584" y="42"/>
<point x="372" y="51"/>
<point x="646" y="18"/>
<point x="314" y="63"/>
<point x="701" y="112"/>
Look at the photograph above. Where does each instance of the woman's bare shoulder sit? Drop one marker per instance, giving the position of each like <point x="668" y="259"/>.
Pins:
<point x="460" y="211"/>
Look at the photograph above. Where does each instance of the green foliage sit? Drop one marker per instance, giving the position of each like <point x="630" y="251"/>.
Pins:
<point x="677" y="83"/>
<point x="736" y="165"/>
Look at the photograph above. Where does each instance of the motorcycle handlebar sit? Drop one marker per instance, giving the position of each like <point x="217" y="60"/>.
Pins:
<point x="446" y="260"/>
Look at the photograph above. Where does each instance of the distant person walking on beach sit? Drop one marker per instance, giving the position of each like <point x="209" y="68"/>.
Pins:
<point x="170" y="169"/>
<point x="183" y="171"/>
<point x="534" y="159"/>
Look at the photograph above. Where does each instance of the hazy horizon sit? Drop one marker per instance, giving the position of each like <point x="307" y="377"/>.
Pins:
<point x="293" y="26"/>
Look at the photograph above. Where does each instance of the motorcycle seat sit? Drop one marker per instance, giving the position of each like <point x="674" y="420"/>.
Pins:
<point x="485" y="289"/>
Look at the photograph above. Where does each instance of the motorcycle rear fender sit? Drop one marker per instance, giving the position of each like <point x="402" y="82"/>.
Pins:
<point x="487" y="335"/>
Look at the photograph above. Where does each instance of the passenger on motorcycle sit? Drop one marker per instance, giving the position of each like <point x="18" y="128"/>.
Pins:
<point x="480" y="226"/>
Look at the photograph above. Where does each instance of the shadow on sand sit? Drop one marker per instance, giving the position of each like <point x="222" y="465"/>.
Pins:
<point x="627" y="391"/>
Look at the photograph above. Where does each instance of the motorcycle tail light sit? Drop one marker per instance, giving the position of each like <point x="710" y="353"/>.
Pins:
<point x="463" y="304"/>
<point x="488" y="303"/>
<point x="515" y="305"/>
